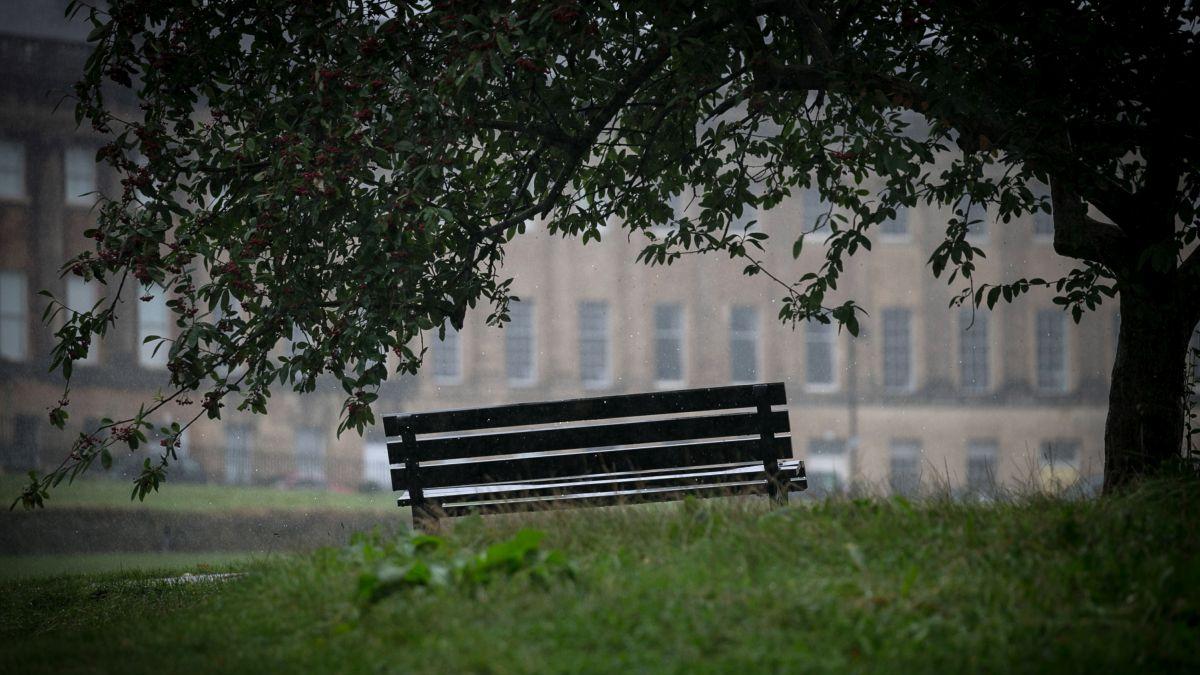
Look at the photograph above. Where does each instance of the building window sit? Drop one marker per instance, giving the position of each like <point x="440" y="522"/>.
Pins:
<point x="1043" y="223"/>
<point x="743" y="344"/>
<point x="239" y="465"/>
<point x="973" y="363"/>
<point x="81" y="297"/>
<point x="895" y="229"/>
<point x="12" y="170"/>
<point x="184" y="451"/>
<point x="80" y="176"/>
<point x="748" y="221"/>
<point x="310" y="455"/>
<point x="897" y="349"/>
<point x="21" y="453"/>
<point x="153" y="323"/>
<point x="977" y="219"/>
<point x="530" y="196"/>
<point x="520" y="360"/>
<point x="1059" y="462"/>
<point x="1060" y="452"/>
<point x="668" y="344"/>
<point x="14" y="334"/>
<point x="447" y="357"/>
<point x="820" y="356"/>
<point x="295" y="340"/>
<point x="1051" y="350"/>
<point x="827" y="466"/>
<point x="594" y="367"/>
<point x="377" y="470"/>
<point x="679" y="204"/>
<point x="814" y="213"/>
<point x="140" y="161"/>
<point x="905" y="467"/>
<point x="981" y="467"/>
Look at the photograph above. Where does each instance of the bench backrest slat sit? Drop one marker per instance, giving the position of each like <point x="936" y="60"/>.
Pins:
<point x="545" y="440"/>
<point x="574" y="410"/>
<point x="594" y="462"/>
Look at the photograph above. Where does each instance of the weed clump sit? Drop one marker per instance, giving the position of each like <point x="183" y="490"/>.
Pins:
<point x="429" y="561"/>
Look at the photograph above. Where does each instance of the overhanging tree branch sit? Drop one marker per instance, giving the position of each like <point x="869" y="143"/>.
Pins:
<point x="1076" y="235"/>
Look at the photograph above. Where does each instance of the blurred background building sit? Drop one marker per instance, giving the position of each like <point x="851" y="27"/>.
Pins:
<point x="925" y="397"/>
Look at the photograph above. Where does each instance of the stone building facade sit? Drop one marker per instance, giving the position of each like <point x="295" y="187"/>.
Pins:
<point x="47" y="169"/>
<point x="926" y="397"/>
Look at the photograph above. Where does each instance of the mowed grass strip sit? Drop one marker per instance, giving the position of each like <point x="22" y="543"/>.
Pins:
<point x="114" y="493"/>
<point x="1035" y="585"/>
<point x="33" y="566"/>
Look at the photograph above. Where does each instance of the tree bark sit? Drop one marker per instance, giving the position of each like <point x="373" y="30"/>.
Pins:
<point x="1143" y="434"/>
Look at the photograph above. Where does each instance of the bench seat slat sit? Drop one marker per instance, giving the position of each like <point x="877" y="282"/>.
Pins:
<point x="629" y="479"/>
<point x="739" y="488"/>
<point x="542" y="440"/>
<point x="574" y="410"/>
<point x="594" y="462"/>
<point x="627" y="484"/>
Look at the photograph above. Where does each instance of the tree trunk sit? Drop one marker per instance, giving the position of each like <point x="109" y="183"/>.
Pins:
<point x="1144" y="431"/>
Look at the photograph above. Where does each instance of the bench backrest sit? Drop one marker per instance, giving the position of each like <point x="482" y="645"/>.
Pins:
<point x="565" y="450"/>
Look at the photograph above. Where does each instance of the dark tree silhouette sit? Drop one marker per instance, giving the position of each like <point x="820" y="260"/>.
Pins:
<point x="351" y="170"/>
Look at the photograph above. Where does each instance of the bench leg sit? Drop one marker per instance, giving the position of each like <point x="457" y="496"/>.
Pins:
<point x="777" y="483"/>
<point x="425" y="515"/>
<point x="777" y="487"/>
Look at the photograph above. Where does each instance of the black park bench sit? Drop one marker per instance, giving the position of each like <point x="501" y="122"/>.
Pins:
<point x="672" y="444"/>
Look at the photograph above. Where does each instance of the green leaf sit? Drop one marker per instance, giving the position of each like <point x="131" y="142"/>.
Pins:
<point x="992" y="296"/>
<point x="852" y="324"/>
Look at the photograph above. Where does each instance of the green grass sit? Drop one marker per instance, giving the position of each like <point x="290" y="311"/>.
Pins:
<point x="109" y="493"/>
<point x="1038" y="585"/>
<point x="34" y="566"/>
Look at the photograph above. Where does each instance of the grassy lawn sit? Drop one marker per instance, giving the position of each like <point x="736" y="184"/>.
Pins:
<point x="109" y="493"/>
<point x="721" y="586"/>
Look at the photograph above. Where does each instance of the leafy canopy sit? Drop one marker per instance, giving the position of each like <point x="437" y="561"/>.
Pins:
<point x="337" y="176"/>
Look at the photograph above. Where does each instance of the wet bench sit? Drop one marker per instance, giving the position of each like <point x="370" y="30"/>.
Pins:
<point x="598" y="451"/>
